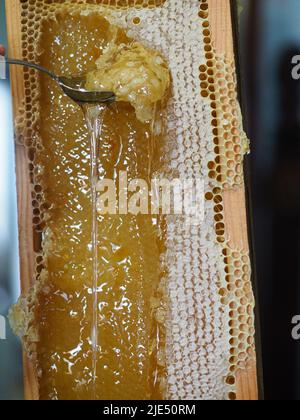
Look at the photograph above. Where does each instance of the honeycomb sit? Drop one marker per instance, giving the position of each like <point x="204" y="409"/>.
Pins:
<point x="135" y="74"/>
<point x="218" y="83"/>
<point x="186" y="326"/>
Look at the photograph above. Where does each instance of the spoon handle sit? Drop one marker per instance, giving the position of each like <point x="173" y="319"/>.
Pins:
<point x="32" y="65"/>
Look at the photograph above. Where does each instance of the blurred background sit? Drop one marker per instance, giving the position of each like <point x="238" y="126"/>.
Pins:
<point x="268" y="35"/>
<point x="11" y="387"/>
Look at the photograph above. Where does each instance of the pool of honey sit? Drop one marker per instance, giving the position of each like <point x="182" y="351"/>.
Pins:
<point x="129" y="247"/>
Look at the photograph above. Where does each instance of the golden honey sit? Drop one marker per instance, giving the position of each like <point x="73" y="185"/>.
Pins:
<point x="129" y="337"/>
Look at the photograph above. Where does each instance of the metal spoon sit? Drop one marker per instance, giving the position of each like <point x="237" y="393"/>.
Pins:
<point x="72" y="86"/>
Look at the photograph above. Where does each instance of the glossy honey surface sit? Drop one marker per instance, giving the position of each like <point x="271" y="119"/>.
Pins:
<point x="129" y="246"/>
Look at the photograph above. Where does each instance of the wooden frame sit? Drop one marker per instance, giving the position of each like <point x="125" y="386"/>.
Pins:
<point x="26" y="245"/>
<point x="234" y="200"/>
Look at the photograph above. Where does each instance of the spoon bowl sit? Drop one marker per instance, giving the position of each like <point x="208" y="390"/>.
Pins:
<point x="71" y="86"/>
<point x="74" y="88"/>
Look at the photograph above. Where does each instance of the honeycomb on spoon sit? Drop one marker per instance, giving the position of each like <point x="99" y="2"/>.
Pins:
<point x="176" y="305"/>
<point x="135" y="74"/>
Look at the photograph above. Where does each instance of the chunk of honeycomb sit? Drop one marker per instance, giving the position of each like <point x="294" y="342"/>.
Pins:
<point x="135" y="74"/>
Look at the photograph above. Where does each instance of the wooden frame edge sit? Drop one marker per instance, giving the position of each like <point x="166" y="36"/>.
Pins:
<point x="220" y="18"/>
<point x="25" y="228"/>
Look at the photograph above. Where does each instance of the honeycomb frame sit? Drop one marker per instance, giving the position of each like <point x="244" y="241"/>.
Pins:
<point x="224" y="169"/>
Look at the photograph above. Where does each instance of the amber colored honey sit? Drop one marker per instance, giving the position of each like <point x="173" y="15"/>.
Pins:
<point x="129" y="247"/>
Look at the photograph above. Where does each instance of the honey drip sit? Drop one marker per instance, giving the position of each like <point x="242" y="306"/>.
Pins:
<point x="94" y="119"/>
